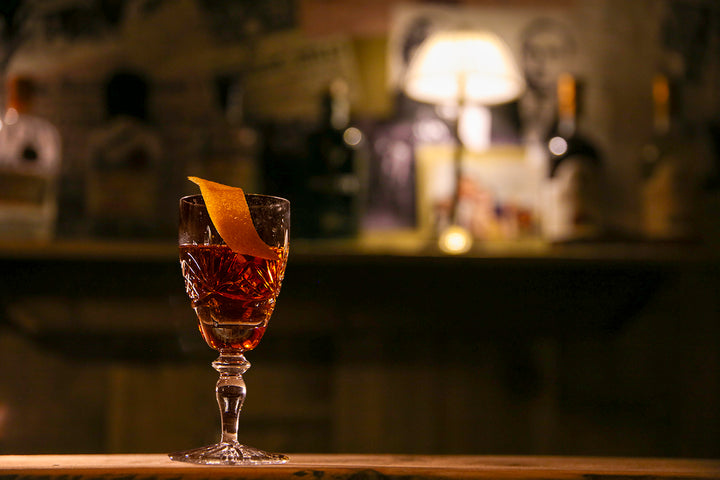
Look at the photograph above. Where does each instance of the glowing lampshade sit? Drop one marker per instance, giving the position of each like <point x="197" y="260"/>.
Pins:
<point x="465" y="66"/>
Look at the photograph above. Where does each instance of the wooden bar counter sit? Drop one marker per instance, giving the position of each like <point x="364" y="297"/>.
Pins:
<point x="356" y="467"/>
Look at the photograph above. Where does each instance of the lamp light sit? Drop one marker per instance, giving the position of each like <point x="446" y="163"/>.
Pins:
<point x="463" y="68"/>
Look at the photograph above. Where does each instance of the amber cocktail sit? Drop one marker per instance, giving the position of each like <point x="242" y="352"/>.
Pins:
<point x="233" y="295"/>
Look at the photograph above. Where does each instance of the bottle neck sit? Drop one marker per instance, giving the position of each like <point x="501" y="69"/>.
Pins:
<point x="234" y="108"/>
<point x="567" y="105"/>
<point x="336" y="106"/>
<point x="567" y="127"/>
<point x="661" y="106"/>
<point x="21" y="92"/>
<point x="336" y="113"/>
<point x="18" y="102"/>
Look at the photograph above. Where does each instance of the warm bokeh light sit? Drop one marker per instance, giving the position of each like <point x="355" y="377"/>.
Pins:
<point x="455" y="240"/>
<point x="352" y="136"/>
<point x="557" y="145"/>
<point x="467" y="65"/>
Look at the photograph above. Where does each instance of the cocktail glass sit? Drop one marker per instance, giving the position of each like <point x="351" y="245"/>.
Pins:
<point x="233" y="296"/>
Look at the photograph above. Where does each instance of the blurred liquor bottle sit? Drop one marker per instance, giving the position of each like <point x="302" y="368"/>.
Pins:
<point x="124" y="172"/>
<point x="30" y="157"/>
<point x="230" y="146"/>
<point x="671" y="182"/>
<point x="571" y="199"/>
<point x="334" y="175"/>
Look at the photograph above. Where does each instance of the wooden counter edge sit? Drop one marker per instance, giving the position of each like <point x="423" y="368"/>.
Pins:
<point x="356" y="467"/>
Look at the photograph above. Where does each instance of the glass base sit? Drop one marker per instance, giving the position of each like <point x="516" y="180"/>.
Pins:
<point x="227" y="453"/>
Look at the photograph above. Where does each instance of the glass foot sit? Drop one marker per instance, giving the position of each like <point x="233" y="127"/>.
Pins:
<point x="227" y="453"/>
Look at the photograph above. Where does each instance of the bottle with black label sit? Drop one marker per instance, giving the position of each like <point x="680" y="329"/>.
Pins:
<point x="30" y="157"/>
<point x="670" y="186"/>
<point x="124" y="174"/>
<point x="572" y="207"/>
<point x="334" y="180"/>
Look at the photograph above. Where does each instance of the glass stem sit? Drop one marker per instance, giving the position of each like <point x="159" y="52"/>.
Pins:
<point x="230" y="392"/>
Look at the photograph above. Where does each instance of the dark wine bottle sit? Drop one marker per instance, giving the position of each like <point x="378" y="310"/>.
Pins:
<point x="572" y="210"/>
<point x="669" y="184"/>
<point x="334" y="169"/>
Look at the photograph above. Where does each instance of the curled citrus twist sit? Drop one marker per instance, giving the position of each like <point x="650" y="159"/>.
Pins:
<point x="230" y="214"/>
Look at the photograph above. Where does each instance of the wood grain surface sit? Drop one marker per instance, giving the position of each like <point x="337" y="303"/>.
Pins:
<point x="355" y="467"/>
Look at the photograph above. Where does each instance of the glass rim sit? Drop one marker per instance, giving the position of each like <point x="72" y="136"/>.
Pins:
<point x="187" y="198"/>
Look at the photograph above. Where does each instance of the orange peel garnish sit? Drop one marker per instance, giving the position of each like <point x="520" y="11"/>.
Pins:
<point x="230" y="214"/>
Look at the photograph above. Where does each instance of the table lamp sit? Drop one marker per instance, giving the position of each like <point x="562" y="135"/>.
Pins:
<point x="461" y="68"/>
